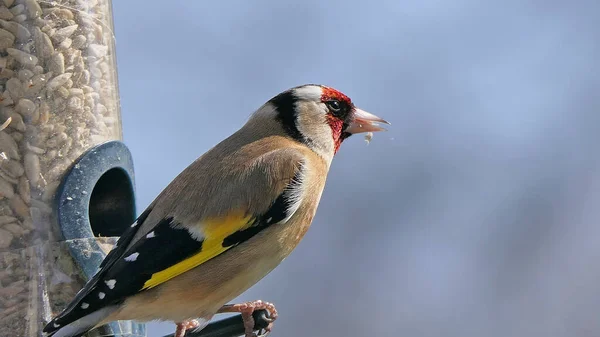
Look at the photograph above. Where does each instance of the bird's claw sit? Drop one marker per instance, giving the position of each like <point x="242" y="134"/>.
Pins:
<point x="182" y="327"/>
<point x="247" y="309"/>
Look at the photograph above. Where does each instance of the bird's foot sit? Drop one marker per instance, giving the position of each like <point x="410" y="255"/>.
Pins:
<point x="182" y="327"/>
<point x="247" y="309"/>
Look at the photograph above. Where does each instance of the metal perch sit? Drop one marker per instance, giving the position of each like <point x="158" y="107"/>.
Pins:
<point x="230" y="327"/>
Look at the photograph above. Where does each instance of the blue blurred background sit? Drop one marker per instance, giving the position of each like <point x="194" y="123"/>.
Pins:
<point x="474" y="215"/>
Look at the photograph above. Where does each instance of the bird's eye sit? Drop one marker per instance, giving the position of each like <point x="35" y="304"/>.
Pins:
<point x="334" y="105"/>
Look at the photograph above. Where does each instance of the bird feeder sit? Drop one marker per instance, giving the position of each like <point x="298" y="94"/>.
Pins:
<point x="66" y="180"/>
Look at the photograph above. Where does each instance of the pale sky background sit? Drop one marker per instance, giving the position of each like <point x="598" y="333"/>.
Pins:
<point x="475" y="215"/>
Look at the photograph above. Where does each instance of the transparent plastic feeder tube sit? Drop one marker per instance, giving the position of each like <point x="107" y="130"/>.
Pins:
<point x="58" y="98"/>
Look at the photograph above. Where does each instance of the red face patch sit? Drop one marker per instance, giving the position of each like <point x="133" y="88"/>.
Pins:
<point x="335" y="122"/>
<point x="330" y="93"/>
<point x="336" y="125"/>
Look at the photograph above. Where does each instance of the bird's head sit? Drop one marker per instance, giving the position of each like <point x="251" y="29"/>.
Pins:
<point x="320" y="117"/>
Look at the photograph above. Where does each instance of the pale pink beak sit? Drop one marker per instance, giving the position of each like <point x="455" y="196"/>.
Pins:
<point x="365" y="122"/>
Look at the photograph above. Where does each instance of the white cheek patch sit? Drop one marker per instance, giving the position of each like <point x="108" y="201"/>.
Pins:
<point x="316" y="128"/>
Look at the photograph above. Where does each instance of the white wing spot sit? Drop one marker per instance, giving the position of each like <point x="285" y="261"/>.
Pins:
<point x="111" y="283"/>
<point x="101" y="295"/>
<point x="84" y="305"/>
<point x="150" y="235"/>
<point x="56" y="325"/>
<point x="132" y="257"/>
<point x="134" y="223"/>
<point x="269" y="219"/>
<point x="196" y="233"/>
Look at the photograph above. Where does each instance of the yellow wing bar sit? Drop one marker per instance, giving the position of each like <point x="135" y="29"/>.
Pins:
<point x="214" y="231"/>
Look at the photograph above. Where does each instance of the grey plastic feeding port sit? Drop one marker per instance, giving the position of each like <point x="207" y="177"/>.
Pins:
<point x="99" y="187"/>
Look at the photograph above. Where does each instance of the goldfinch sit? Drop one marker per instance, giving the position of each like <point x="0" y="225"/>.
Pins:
<point x="225" y="222"/>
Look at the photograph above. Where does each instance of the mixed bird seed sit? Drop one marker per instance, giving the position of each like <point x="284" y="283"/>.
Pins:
<point x="58" y="98"/>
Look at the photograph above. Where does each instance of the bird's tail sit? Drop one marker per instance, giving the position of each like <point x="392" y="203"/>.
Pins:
<point x="79" y="326"/>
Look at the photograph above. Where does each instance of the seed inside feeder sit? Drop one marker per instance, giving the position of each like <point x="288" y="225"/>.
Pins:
<point x="58" y="98"/>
